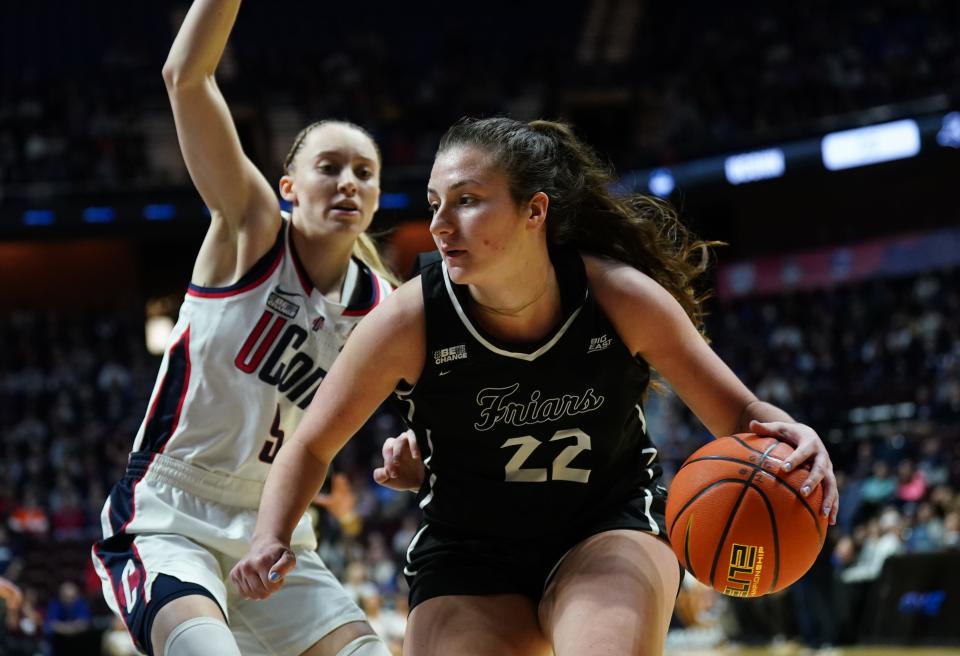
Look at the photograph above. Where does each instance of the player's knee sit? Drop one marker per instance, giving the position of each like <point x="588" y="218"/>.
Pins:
<point x="201" y="636"/>
<point x="365" y="645"/>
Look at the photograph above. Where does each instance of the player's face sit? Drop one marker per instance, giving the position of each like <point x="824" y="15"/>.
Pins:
<point x="477" y="226"/>
<point x="335" y="181"/>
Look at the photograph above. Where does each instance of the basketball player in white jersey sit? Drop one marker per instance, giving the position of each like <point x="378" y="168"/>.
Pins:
<point x="270" y="303"/>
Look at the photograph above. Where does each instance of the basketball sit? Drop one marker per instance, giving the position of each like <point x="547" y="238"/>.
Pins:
<point x="738" y="523"/>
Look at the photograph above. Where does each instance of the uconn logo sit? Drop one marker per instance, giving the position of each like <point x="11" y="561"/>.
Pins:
<point x="262" y="354"/>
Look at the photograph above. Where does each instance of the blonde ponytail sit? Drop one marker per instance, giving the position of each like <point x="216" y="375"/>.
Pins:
<point x="365" y="249"/>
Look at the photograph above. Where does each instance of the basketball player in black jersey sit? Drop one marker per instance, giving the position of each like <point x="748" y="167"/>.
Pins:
<point x="520" y="359"/>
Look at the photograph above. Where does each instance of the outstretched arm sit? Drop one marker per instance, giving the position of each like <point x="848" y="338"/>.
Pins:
<point x="654" y="326"/>
<point x="388" y="346"/>
<point x="244" y="210"/>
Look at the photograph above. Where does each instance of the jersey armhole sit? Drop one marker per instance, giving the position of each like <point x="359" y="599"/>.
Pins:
<point x="258" y="273"/>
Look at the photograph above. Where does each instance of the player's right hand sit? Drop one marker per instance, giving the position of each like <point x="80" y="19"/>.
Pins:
<point x="402" y="468"/>
<point x="260" y="573"/>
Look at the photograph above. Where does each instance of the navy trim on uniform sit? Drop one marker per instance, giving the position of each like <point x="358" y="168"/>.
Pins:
<point x="259" y="272"/>
<point x="164" y="415"/>
<point x="122" y="508"/>
<point x="118" y="554"/>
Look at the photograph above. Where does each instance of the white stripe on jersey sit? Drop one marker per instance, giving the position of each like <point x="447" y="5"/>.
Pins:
<point x="519" y="355"/>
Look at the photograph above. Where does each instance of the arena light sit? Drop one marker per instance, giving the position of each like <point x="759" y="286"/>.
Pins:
<point x="949" y="134"/>
<point x="98" y="215"/>
<point x="758" y="165"/>
<point x="159" y="212"/>
<point x="38" y="217"/>
<point x="870" y="145"/>
<point x="158" y="329"/>
<point x="661" y="182"/>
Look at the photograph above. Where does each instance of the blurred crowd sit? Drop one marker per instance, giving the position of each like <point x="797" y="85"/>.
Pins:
<point x="875" y="367"/>
<point x="728" y="76"/>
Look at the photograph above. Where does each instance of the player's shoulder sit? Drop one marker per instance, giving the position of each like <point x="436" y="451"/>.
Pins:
<point x="617" y="281"/>
<point x="403" y="309"/>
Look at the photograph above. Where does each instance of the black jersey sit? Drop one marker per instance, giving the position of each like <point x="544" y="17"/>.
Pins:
<point x="532" y="440"/>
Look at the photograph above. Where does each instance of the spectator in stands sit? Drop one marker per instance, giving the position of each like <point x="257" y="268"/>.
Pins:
<point x="69" y="516"/>
<point x="386" y="621"/>
<point x="9" y="555"/>
<point x="931" y="463"/>
<point x="911" y="483"/>
<point x="29" y="517"/>
<point x="951" y="530"/>
<point x="927" y="530"/>
<point x="68" y="621"/>
<point x="880" y="487"/>
<point x="882" y="541"/>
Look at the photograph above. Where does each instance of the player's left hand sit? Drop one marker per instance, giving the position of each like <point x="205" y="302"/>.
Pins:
<point x="806" y="444"/>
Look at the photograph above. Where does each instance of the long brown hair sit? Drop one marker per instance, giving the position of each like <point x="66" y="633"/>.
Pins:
<point x="639" y="230"/>
<point x="365" y="248"/>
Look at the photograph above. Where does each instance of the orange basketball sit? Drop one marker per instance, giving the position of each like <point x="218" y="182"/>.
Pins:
<point x="738" y="523"/>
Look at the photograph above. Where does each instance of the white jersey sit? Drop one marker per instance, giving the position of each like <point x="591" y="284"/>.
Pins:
<point x="244" y="362"/>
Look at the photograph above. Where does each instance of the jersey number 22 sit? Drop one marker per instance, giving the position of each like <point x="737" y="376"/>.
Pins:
<point x="559" y="470"/>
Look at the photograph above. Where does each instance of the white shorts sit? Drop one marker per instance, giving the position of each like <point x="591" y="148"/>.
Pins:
<point x="157" y="523"/>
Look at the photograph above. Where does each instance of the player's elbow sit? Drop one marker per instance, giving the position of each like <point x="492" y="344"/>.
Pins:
<point x="170" y="73"/>
<point x="176" y="77"/>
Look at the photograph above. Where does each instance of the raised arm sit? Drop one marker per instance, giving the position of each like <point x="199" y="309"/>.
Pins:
<point x="654" y="326"/>
<point x="387" y="346"/>
<point x="243" y="207"/>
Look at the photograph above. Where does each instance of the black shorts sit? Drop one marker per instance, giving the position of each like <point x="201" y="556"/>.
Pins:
<point x="446" y="561"/>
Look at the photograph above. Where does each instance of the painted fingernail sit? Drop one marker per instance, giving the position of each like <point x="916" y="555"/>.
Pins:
<point x="805" y="490"/>
<point x="787" y="466"/>
<point x="274" y="577"/>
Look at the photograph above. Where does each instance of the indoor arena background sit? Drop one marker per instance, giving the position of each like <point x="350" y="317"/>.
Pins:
<point x="820" y="140"/>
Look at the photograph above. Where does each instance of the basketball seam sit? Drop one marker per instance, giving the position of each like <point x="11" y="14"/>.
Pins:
<point x="698" y="495"/>
<point x="806" y="506"/>
<point x="748" y="447"/>
<point x="733" y="512"/>
<point x="686" y="547"/>
<point x="780" y="481"/>
<point x="776" y="538"/>
<point x="730" y="459"/>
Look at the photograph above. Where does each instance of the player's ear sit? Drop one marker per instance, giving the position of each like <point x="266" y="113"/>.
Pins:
<point x="286" y="189"/>
<point x="537" y="210"/>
